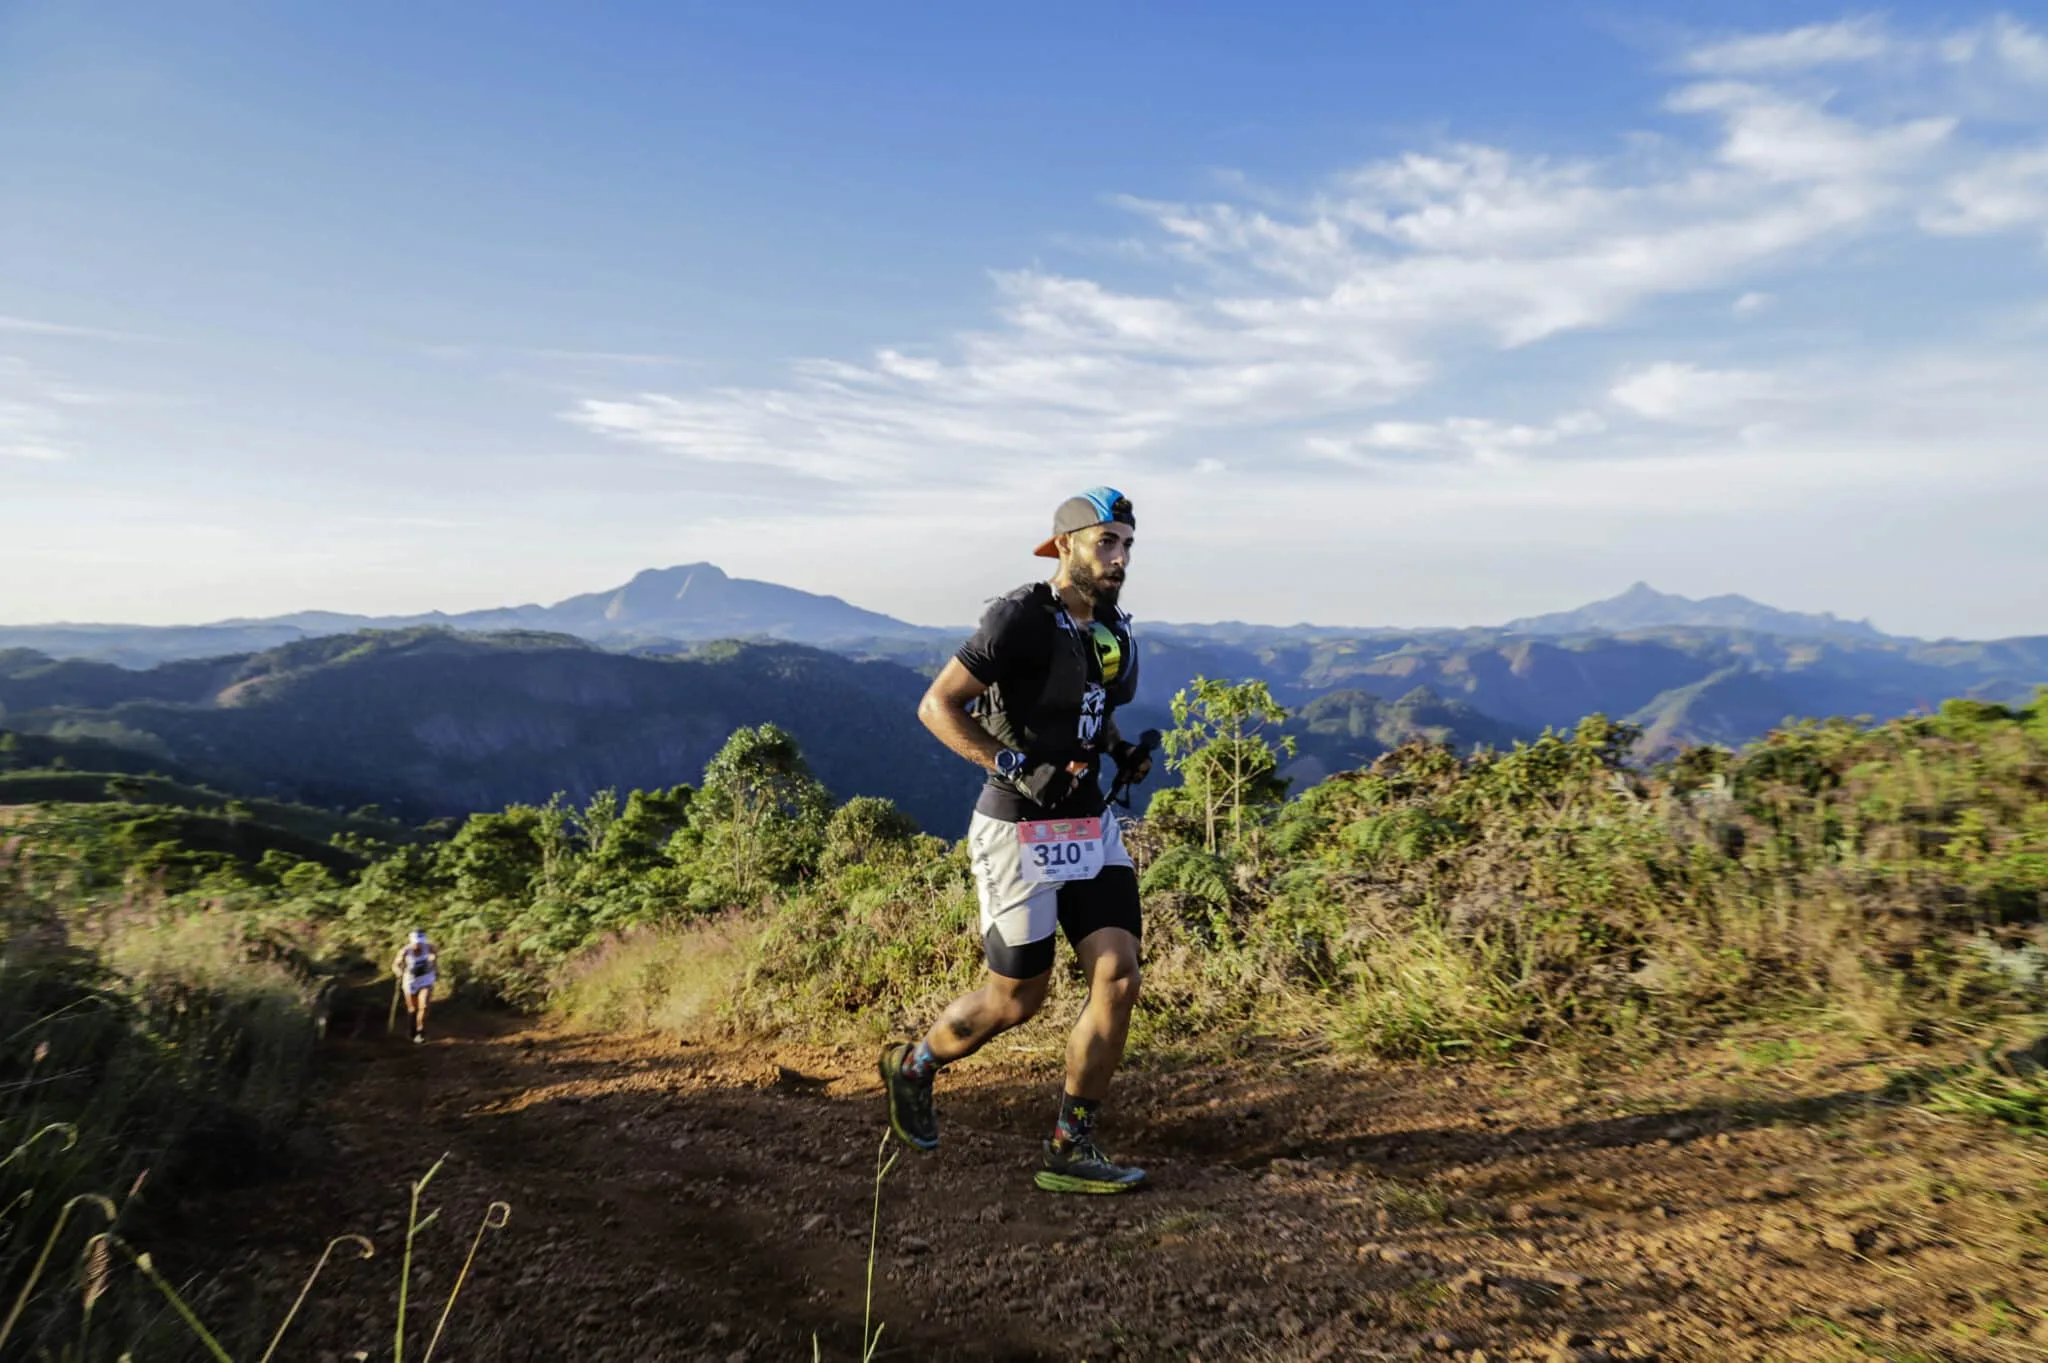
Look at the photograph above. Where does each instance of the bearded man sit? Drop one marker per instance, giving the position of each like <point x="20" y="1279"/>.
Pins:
<point x="1031" y="698"/>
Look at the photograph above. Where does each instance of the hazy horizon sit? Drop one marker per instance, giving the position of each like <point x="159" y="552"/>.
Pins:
<point x="1131" y="602"/>
<point x="1382" y="318"/>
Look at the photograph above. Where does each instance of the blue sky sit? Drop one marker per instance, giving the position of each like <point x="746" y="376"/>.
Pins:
<point x="1383" y="315"/>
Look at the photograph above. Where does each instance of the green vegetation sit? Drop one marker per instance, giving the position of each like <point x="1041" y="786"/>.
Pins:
<point x="144" y="1054"/>
<point x="163" y="942"/>
<point x="1884" y="878"/>
<point x="1434" y="903"/>
<point x="1227" y="766"/>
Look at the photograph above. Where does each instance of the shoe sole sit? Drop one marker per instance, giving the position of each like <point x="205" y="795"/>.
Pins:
<point x="1069" y="1183"/>
<point x="895" y="1124"/>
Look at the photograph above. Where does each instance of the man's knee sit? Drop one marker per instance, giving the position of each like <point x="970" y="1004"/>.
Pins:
<point x="1117" y="980"/>
<point x="1017" y="1001"/>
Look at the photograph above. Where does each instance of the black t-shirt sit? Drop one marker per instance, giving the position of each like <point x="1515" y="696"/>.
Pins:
<point x="1046" y="695"/>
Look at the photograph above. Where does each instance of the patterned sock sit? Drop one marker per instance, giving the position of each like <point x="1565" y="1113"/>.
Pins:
<point x="1077" y="1120"/>
<point x="919" y="1063"/>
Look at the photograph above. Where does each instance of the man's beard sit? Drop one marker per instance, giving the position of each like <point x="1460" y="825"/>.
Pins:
<point x="1100" y="591"/>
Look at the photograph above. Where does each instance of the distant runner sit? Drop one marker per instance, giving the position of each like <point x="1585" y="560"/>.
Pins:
<point x="416" y="970"/>
<point x="1042" y="675"/>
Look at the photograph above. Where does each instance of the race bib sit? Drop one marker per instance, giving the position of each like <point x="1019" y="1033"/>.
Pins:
<point x="1061" y="849"/>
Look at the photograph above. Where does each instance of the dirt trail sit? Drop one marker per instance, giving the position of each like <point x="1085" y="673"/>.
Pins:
<point x="677" y="1201"/>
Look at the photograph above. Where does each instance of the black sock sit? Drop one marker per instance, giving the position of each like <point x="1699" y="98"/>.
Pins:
<point x="1077" y="1120"/>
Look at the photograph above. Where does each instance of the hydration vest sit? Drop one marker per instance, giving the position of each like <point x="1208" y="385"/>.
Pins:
<point x="1074" y="687"/>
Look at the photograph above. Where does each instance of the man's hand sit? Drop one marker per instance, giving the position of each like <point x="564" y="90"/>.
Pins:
<point x="1048" y="784"/>
<point x="1134" y="760"/>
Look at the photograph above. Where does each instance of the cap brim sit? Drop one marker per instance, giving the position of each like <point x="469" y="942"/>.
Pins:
<point x="1046" y="550"/>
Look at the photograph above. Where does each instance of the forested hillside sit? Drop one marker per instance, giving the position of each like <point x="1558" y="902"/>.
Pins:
<point x="1722" y="670"/>
<point x="427" y="723"/>
<point x="1680" y="684"/>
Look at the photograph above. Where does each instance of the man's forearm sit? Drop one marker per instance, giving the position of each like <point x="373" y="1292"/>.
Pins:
<point x="957" y="730"/>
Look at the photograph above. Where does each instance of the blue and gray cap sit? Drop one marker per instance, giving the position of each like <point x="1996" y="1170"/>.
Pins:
<point x="1096" y="506"/>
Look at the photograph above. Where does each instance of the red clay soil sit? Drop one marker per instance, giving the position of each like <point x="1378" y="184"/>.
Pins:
<point x="683" y="1201"/>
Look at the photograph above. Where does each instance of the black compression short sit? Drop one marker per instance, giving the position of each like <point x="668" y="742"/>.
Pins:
<point x="1110" y="900"/>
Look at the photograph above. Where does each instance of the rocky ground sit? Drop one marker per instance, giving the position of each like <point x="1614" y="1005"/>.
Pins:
<point x="688" y="1201"/>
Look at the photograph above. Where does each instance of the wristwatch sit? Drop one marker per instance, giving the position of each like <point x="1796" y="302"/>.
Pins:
<point x="1009" y="762"/>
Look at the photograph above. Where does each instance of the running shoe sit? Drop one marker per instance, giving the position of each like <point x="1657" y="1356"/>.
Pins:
<point x="1083" y="1168"/>
<point x="910" y="1102"/>
<point x="419" y="1038"/>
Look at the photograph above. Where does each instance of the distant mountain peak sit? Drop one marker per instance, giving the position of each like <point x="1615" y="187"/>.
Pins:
<point x="697" y="601"/>
<point x="679" y="576"/>
<point x="1644" y="607"/>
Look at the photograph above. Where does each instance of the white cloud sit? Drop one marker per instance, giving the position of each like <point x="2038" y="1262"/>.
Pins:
<point x="1687" y="393"/>
<point x="2004" y="47"/>
<point x="1315" y="340"/>
<point x="1998" y="194"/>
<point x="30" y="432"/>
<point x="627" y="359"/>
<point x="2023" y="51"/>
<point x="1357" y="296"/>
<point x="1478" y="439"/>
<point x="1798" y="49"/>
<point x="1787" y="138"/>
<point x="33" y="406"/>
<point x="31" y="326"/>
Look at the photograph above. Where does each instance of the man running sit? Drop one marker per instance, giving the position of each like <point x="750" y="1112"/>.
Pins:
<point x="1029" y="697"/>
<point x="415" y="968"/>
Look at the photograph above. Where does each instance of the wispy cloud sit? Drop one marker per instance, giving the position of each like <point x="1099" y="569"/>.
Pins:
<point x="628" y="359"/>
<point x="30" y="326"/>
<point x="1684" y="392"/>
<point x="30" y="432"/>
<point x="1316" y="309"/>
<point x="1798" y="49"/>
<point x="1997" y="194"/>
<point x="34" y="408"/>
<point x="1481" y="440"/>
<point x="1478" y="346"/>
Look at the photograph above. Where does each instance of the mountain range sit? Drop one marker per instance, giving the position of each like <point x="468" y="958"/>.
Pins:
<point x="699" y="601"/>
<point x="689" y="603"/>
<point x="638" y="685"/>
<point x="427" y="722"/>
<point x="1644" y="607"/>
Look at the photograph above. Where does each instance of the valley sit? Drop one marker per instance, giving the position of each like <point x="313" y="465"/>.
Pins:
<point x="439" y="716"/>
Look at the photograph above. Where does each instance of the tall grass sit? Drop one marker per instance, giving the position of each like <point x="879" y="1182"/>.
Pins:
<point x="1878" y="878"/>
<point x="680" y="981"/>
<point x="137" y="1058"/>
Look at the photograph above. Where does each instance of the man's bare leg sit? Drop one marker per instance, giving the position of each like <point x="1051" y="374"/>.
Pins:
<point x="1109" y="959"/>
<point x="1073" y="1162"/>
<point x="967" y="1025"/>
<point x="973" y="1020"/>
